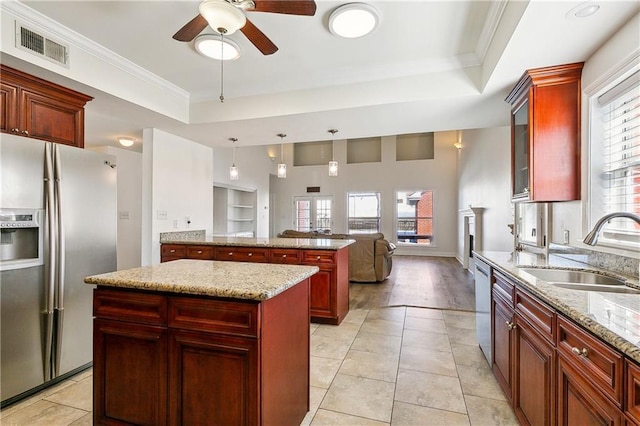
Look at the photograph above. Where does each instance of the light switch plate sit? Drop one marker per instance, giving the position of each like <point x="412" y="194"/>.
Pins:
<point x="565" y="236"/>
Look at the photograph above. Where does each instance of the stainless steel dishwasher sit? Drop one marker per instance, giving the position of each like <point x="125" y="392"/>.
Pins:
<point x="483" y="307"/>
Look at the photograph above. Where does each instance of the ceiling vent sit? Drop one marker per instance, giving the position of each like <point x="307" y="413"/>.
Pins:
<point x="41" y="45"/>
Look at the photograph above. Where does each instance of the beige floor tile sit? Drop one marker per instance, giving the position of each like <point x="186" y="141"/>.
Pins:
<point x="484" y="411"/>
<point x="412" y="415"/>
<point x="86" y="420"/>
<point x="315" y="398"/>
<point x="382" y="326"/>
<point x="34" y="398"/>
<point x="377" y="343"/>
<point x="464" y="336"/>
<point x="427" y="340"/>
<point x="460" y="319"/>
<point x="44" y="413"/>
<point x="323" y="370"/>
<point x="479" y="382"/>
<point x="356" y="316"/>
<point x="331" y="418"/>
<point x="430" y="390"/>
<point x="328" y="347"/>
<point x="428" y="361"/>
<point x="470" y="355"/>
<point x="391" y="314"/>
<point x="370" y="365"/>
<point x="359" y="396"/>
<point x="345" y="331"/>
<point x="425" y="324"/>
<point x="424" y="313"/>
<point x="313" y="327"/>
<point x="83" y="375"/>
<point x="78" y="395"/>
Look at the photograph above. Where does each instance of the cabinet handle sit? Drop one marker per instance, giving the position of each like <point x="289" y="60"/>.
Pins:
<point x="284" y="255"/>
<point x="25" y="132"/>
<point x="172" y="251"/>
<point x="15" y="130"/>
<point x="510" y="325"/>
<point x="230" y="253"/>
<point x="199" y="251"/>
<point x="250" y="254"/>
<point x="318" y="258"/>
<point x="584" y="352"/>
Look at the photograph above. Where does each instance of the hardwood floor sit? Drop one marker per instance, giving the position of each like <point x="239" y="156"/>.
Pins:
<point x="428" y="282"/>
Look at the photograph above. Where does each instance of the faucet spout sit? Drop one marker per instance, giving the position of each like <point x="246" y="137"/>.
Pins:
<point x="592" y="237"/>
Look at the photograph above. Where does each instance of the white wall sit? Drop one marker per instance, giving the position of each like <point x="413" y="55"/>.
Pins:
<point x="254" y="166"/>
<point x="386" y="177"/>
<point x="177" y="180"/>
<point x="129" y="171"/>
<point x="484" y="176"/>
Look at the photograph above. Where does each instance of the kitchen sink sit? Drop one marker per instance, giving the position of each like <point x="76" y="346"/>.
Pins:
<point x="581" y="280"/>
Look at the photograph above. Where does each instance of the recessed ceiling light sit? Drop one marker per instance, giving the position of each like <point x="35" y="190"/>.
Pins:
<point x="211" y="45"/>
<point x="583" y="10"/>
<point x="353" y="20"/>
<point x="126" y="141"/>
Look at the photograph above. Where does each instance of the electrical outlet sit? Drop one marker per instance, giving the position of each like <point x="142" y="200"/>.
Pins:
<point x="175" y="223"/>
<point x="123" y="215"/>
<point x="565" y="236"/>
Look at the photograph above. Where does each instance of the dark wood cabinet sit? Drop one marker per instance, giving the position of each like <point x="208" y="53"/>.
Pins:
<point x="502" y="324"/>
<point x="545" y="134"/>
<point x="329" y="292"/>
<point x="164" y="358"/>
<point x="633" y="392"/>
<point x="37" y="108"/>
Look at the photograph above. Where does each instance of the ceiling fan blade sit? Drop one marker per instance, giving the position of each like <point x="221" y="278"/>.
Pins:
<point x="289" y="7"/>
<point x="191" y="29"/>
<point x="258" y="39"/>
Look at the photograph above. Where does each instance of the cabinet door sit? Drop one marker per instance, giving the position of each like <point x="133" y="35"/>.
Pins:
<point x="502" y="322"/>
<point x="50" y="119"/>
<point x="322" y="293"/>
<point x="633" y="391"/>
<point x="129" y="373"/>
<point x="9" y="108"/>
<point x="212" y="379"/>
<point x="579" y="403"/>
<point x="534" y="376"/>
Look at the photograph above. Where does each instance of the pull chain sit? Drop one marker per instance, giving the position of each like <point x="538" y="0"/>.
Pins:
<point x="222" y="31"/>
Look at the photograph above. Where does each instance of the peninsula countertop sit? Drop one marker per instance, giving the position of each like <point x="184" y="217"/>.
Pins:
<point x="614" y="317"/>
<point x="235" y="280"/>
<point x="296" y="243"/>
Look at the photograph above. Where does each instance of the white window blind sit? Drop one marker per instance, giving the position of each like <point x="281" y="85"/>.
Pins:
<point x="619" y="111"/>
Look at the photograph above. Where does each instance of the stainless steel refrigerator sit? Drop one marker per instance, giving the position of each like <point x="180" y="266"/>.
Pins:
<point x="58" y="225"/>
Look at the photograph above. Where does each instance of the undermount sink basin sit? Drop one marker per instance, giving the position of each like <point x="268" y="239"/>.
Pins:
<point x="581" y="280"/>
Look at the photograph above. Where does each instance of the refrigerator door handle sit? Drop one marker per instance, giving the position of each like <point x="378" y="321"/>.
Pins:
<point x="51" y="261"/>
<point x="60" y="259"/>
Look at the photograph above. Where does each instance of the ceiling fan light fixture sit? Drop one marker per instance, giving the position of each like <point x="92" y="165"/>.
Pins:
<point x="211" y="46"/>
<point x="353" y="20"/>
<point x="222" y="16"/>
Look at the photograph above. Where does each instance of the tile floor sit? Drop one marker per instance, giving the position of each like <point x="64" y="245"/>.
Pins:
<point x="387" y="366"/>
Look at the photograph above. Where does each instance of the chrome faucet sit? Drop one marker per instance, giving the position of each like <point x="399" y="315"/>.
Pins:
<point x="592" y="237"/>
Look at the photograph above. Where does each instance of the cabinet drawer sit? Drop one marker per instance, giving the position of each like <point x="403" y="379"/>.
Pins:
<point x="132" y="306"/>
<point x="215" y="316"/>
<point x="633" y="391"/>
<point x="540" y="316"/>
<point x="503" y="287"/>
<point x="242" y="254"/>
<point x="317" y="257"/>
<point x="600" y="363"/>
<point x="200" y="252"/>
<point x="173" y="251"/>
<point x="289" y="256"/>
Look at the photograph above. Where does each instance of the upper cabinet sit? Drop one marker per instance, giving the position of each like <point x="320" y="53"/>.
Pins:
<point x="545" y="134"/>
<point x="37" y="108"/>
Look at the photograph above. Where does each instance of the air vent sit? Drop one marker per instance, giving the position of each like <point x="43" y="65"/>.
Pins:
<point x="38" y="44"/>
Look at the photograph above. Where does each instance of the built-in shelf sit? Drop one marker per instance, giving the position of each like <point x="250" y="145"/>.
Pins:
<point x="234" y="211"/>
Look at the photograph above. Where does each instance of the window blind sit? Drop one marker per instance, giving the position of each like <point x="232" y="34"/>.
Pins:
<point x="620" y="114"/>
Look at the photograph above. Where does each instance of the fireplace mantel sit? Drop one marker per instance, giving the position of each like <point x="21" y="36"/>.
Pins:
<point x="472" y="228"/>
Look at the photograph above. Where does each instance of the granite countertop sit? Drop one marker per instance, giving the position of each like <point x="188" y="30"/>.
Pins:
<point x="297" y="243"/>
<point x="614" y="317"/>
<point x="235" y="280"/>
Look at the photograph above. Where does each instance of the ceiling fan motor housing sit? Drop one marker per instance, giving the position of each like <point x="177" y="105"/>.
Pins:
<point x="222" y="16"/>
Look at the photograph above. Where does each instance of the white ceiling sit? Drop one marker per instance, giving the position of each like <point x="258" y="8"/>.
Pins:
<point x="429" y="66"/>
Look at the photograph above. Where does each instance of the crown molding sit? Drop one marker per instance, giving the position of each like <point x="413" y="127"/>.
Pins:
<point x="496" y="10"/>
<point x="38" y="21"/>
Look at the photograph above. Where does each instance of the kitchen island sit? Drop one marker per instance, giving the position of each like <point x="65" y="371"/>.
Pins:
<point x="329" y="287"/>
<point x="202" y="342"/>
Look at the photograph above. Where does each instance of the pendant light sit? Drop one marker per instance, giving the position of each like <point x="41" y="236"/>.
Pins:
<point x="233" y="170"/>
<point x="282" y="167"/>
<point x="333" y="165"/>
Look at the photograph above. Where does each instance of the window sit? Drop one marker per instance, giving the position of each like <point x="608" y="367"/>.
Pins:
<point x="414" y="217"/>
<point x="364" y="212"/>
<point x="615" y="160"/>
<point x="313" y="214"/>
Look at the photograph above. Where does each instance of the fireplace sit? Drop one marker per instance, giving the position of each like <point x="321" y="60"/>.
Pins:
<point x="471" y="235"/>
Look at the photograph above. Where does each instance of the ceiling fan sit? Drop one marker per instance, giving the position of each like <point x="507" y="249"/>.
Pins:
<point x="227" y="16"/>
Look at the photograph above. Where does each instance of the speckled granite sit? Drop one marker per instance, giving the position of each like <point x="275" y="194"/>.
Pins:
<point x="614" y="317"/>
<point x="297" y="243"/>
<point x="612" y="262"/>
<point x="166" y="237"/>
<point x="236" y="280"/>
